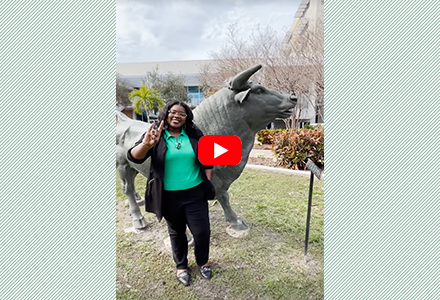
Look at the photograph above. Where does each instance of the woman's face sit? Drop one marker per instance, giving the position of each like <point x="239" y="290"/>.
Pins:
<point x="176" y="116"/>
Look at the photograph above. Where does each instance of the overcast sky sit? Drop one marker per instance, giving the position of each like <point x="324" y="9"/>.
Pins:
<point x="170" y="30"/>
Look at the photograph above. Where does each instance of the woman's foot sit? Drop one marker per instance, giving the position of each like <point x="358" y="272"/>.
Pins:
<point x="205" y="271"/>
<point x="183" y="276"/>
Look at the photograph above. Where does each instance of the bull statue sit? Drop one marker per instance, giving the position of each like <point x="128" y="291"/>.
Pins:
<point x="240" y="108"/>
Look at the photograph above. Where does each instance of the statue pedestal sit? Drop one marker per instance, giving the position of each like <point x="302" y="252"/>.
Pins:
<point x="236" y="233"/>
<point x="133" y="230"/>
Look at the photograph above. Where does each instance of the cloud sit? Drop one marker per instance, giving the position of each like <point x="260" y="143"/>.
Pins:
<point x="187" y="30"/>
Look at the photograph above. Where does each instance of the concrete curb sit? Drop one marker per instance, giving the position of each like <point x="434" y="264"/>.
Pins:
<point x="281" y="170"/>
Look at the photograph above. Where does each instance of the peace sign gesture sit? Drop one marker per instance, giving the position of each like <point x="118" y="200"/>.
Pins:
<point x="152" y="136"/>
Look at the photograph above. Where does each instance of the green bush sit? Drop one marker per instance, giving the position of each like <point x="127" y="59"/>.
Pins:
<point x="315" y="126"/>
<point x="292" y="148"/>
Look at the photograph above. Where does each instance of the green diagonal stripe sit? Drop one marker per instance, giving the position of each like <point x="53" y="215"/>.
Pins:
<point x="382" y="195"/>
<point x="57" y="133"/>
<point x="57" y="150"/>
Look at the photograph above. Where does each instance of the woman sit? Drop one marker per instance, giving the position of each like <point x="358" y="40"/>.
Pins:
<point x="178" y="185"/>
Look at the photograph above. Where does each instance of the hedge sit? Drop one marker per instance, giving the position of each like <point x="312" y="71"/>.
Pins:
<point x="266" y="136"/>
<point x="293" y="147"/>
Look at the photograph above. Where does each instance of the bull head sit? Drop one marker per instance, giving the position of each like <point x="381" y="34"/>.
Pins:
<point x="239" y="82"/>
<point x="259" y="105"/>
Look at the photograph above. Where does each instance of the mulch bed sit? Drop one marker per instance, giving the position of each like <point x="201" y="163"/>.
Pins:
<point x="262" y="161"/>
<point x="268" y="162"/>
<point x="262" y="147"/>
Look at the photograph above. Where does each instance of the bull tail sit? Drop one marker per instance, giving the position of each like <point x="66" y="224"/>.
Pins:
<point x="120" y="130"/>
<point x="121" y="117"/>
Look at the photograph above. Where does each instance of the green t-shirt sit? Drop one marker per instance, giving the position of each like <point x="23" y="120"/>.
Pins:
<point x="182" y="171"/>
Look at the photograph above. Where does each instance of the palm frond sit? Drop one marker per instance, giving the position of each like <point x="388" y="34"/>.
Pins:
<point x="134" y="93"/>
<point x="144" y="99"/>
<point x="137" y="106"/>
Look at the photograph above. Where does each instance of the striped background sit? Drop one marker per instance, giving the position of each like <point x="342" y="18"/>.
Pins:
<point x="57" y="215"/>
<point x="58" y="150"/>
<point x="382" y="187"/>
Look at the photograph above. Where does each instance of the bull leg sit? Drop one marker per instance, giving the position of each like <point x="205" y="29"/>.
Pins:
<point x="139" y="200"/>
<point x="137" y="197"/>
<point x="127" y="176"/>
<point x="231" y="217"/>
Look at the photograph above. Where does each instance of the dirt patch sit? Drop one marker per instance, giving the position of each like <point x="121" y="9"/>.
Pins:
<point x="155" y="233"/>
<point x="207" y="290"/>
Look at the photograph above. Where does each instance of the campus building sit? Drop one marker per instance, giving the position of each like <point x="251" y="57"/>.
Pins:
<point x="307" y="15"/>
<point x="135" y="74"/>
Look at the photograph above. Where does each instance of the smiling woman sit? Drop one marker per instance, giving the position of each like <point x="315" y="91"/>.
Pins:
<point x="178" y="185"/>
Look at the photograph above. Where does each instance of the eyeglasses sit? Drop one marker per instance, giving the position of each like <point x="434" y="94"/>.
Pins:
<point x="174" y="113"/>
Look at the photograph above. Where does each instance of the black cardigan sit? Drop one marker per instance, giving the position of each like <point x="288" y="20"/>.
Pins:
<point x="154" y="189"/>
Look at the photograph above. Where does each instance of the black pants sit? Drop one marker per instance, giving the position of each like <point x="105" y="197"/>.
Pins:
<point x="187" y="207"/>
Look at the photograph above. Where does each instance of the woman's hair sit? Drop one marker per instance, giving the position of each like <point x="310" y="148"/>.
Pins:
<point x="163" y="115"/>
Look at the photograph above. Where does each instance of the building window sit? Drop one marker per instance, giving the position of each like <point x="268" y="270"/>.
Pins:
<point x="193" y="89"/>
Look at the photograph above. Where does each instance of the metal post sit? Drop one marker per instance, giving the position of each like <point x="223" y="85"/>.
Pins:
<point x="309" y="208"/>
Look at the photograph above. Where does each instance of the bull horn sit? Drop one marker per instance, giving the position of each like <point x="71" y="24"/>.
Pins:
<point x="240" y="80"/>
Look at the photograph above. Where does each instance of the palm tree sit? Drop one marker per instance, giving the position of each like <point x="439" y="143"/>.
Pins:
<point x="144" y="98"/>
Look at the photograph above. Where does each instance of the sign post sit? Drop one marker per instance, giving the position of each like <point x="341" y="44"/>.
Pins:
<point x="314" y="171"/>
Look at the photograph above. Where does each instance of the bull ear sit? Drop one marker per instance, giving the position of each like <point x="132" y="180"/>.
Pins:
<point x="240" y="80"/>
<point x="240" y="97"/>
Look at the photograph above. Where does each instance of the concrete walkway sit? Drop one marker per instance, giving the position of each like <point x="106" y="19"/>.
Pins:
<point x="281" y="170"/>
<point x="261" y="153"/>
<point x="269" y="154"/>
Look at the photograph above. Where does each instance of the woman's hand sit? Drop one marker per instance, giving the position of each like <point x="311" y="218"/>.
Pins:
<point x="208" y="174"/>
<point x="152" y="136"/>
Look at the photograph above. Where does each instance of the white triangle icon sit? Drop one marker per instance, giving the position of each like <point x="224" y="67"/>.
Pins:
<point x="219" y="150"/>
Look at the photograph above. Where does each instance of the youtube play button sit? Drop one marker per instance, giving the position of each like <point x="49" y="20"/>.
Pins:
<point x="220" y="150"/>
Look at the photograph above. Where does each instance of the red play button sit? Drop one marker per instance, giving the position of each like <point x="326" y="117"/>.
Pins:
<point x="220" y="150"/>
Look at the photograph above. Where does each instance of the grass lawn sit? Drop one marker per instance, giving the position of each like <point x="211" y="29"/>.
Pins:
<point x="268" y="263"/>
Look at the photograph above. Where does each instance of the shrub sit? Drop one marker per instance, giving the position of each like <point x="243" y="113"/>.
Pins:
<point x="315" y="126"/>
<point x="267" y="136"/>
<point x="292" y="148"/>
